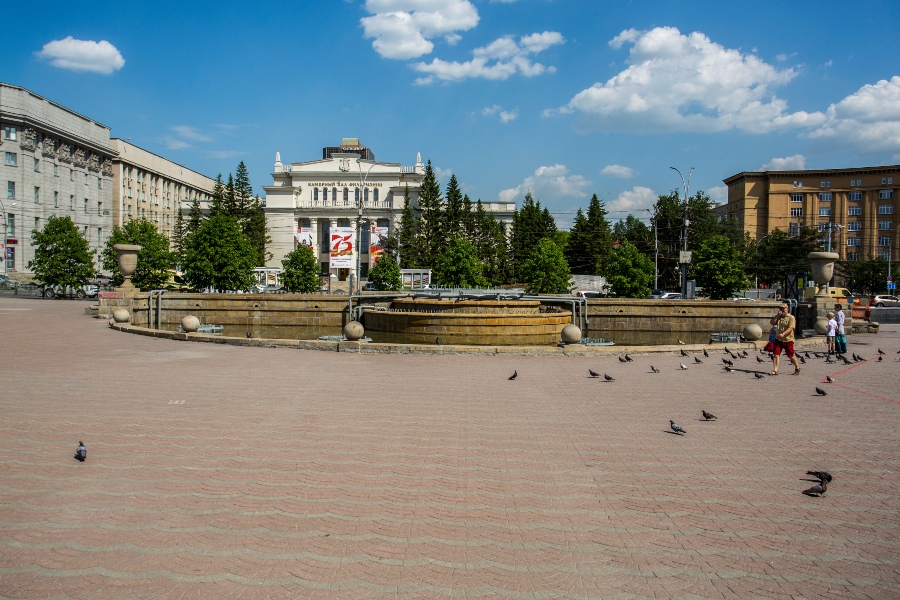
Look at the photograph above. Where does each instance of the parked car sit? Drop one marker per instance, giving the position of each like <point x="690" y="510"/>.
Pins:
<point x="587" y="294"/>
<point x="670" y="296"/>
<point x="881" y="301"/>
<point x="369" y="287"/>
<point x="57" y="291"/>
<point x="8" y="283"/>
<point x="101" y="279"/>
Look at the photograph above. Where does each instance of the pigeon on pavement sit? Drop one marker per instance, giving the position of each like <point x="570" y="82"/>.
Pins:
<point x="622" y="359"/>
<point x="821" y="392"/>
<point x="758" y="375"/>
<point x="608" y="378"/>
<point x="697" y="360"/>
<point x="593" y="373"/>
<point x="759" y="360"/>
<point x="829" y="379"/>
<point x="628" y="358"/>
<point x="676" y="427"/>
<point x="706" y="354"/>
<point x="514" y="375"/>
<point x="816" y="490"/>
<point x="880" y="351"/>
<point x="654" y="369"/>
<point x="708" y="415"/>
<point x="682" y="366"/>
<point x="81" y="452"/>
<point x="683" y="353"/>
<point x="821" y="475"/>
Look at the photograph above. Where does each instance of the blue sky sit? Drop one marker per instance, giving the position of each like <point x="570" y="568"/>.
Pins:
<point x="565" y="98"/>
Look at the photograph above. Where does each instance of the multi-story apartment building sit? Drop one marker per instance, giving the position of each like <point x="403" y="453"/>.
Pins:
<point x="147" y="186"/>
<point x="855" y="206"/>
<point x="54" y="162"/>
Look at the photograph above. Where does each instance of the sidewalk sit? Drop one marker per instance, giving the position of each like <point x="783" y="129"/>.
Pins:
<point x="218" y="471"/>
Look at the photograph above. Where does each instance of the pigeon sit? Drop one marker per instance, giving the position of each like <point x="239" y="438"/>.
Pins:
<point x="821" y="475"/>
<point x="706" y="354"/>
<point x="728" y="362"/>
<point x="744" y="354"/>
<point x="708" y="415"/>
<point x="880" y="351"/>
<point x="759" y="375"/>
<point x="729" y="369"/>
<point x="879" y="359"/>
<point x="249" y="334"/>
<point x="514" y="375"/>
<point x="816" y="490"/>
<point x="807" y="354"/>
<point x="802" y="360"/>
<point x="733" y="355"/>
<point x="683" y="353"/>
<point x="622" y="359"/>
<point x="821" y="392"/>
<point x="846" y="361"/>
<point x="680" y="342"/>
<point x="80" y="452"/>
<point x="759" y="360"/>
<point x="654" y="369"/>
<point x="676" y="427"/>
<point x="698" y="361"/>
<point x="829" y="379"/>
<point x="593" y="374"/>
<point x="628" y="358"/>
<point x="682" y="366"/>
<point x="727" y="351"/>
<point x="608" y="378"/>
<point x="437" y="341"/>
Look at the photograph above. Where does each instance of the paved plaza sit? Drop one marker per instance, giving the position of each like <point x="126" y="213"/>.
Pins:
<point x="227" y="472"/>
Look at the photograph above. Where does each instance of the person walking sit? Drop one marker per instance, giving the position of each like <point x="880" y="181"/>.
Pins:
<point x="840" y="340"/>
<point x="830" y="332"/>
<point x="785" y="325"/>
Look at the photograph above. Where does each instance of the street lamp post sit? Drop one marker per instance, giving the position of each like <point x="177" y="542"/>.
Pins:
<point x="655" y="252"/>
<point x="5" y="235"/>
<point x="359" y="211"/>
<point x="684" y="260"/>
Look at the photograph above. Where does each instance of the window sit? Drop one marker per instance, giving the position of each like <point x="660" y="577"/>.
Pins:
<point x="796" y="197"/>
<point x="824" y="196"/>
<point x="854" y="226"/>
<point x="796" y="212"/>
<point x="128" y="210"/>
<point x="85" y="205"/>
<point x="316" y="196"/>
<point x="9" y="133"/>
<point x="55" y="199"/>
<point x="886" y="209"/>
<point x="326" y="235"/>
<point x="853" y="256"/>
<point x="37" y="222"/>
<point x="10" y="189"/>
<point x="825" y="212"/>
<point x="85" y="179"/>
<point x="11" y="225"/>
<point x="99" y="209"/>
<point x="324" y="196"/>
<point x="99" y="184"/>
<point x="853" y="241"/>
<point x="99" y="236"/>
<point x="346" y="197"/>
<point x="71" y="174"/>
<point x="37" y="165"/>
<point x="885" y="194"/>
<point x="356" y="196"/>
<point x="854" y="196"/>
<point x="884" y="241"/>
<point x="375" y="196"/>
<point x="798" y="184"/>
<point x="854" y="211"/>
<point x="885" y="255"/>
<point x="37" y="195"/>
<point x="71" y="202"/>
<point x="826" y="184"/>
<point x="366" y="195"/>
<point x="86" y="233"/>
<point x="11" y="159"/>
<point x="55" y="170"/>
<point x="885" y="225"/>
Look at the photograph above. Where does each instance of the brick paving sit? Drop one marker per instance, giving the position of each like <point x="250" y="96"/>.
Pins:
<point x="218" y="471"/>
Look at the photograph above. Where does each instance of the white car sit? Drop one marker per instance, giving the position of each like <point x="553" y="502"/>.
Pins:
<point x="670" y="296"/>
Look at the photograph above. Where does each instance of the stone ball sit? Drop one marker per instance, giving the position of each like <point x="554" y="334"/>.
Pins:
<point x="190" y="324"/>
<point x="354" y="331"/>
<point x="752" y="332"/>
<point x="570" y="334"/>
<point x="821" y="325"/>
<point x="121" y="315"/>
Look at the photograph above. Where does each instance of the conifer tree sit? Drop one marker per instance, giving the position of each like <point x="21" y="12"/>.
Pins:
<point x="178" y="232"/>
<point x="216" y="203"/>
<point x="453" y="212"/>
<point x="408" y="235"/>
<point x="431" y="232"/>
<point x="530" y="225"/>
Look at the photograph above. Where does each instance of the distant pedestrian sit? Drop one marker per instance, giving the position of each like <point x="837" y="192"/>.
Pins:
<point x="785" y="324"/>
<point x="840" y="340"/>
<point x="830" y="332"/>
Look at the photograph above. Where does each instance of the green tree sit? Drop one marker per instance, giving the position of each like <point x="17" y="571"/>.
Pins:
<point x="530" y="225"/>
<point x="62" y="255"/>
<point x="458" y="265"/>
<point x="385" y="275"/>
<point x="217" y="201"/>
<point x="590" y="240"/>
<point x="255" y="228"/>
<point x="718" y="267"/>
<point x="630" y="273"/>
<point x="153" y="261"/>
<point x="637" y="233"/>
<point x="778" y="254"/>
<point x="218" y="256"/>
<point x="301" y="271"/>
<point x="178" y="233"/>
<point x="546" y="270"/>
<point x="866" y="276"/>
<point x="431" y="234"/>
<point x="454" y="211"/>
<point x="491" y="245"/>
<point x="407" y="238"/>
<point x="195" y="217"/>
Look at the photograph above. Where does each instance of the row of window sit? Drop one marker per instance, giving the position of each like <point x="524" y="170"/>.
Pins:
<point x="346" y="195"/>
<point x="853" y="211"/>
<point x="851" y="196"/>
<point x="882" y="241"/>
<point x="826" y="183"/>
<point x="854" y="256"/>
<point x="11" y="159"/>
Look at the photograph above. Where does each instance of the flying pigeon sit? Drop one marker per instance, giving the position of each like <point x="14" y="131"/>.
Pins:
<point x="607" y="377"/>
<point x="821" y="392"/>
<point x="682" y="366"/>
<point x="759" y="360"/>
<point x="698" y="361"/>
<point x="81" y="452"/>
<point x="593" y="374"/>
<point x="821" y="475"/>
<point x="683" y="353"/>
<point x="654" y="369"/>
<point x="676" y="427"/>
<point x="514" y="375"/>
<point x="706" y="354"/>
<point x="759" y="375"/>
<point x="628" y="358"/>
<point x="708" y="415"/>
<point x="829" y="379"/>
<point x="816" y="490"/>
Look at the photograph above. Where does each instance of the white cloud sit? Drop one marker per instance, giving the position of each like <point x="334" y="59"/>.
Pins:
<point x="548" y="184"/>
<point x="869" y="118"/>
<point x="174" y="143"/>
<point x="787" y="163"/>
<point x="507" y="116"/>
<point x="442" y="175"/>
<point x="402" y="29"/>
<point x="499" y="60"/>
<point x="618" y="171"/>
<point x="718" y="194"/>
<point x="190" y="133"/>
<point x="82" y="55"/>
<point x="490" y="111"/>
<point x="677" y="82"/>
<point x="636" y="199"/>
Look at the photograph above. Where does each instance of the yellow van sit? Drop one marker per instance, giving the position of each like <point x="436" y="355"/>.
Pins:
<point x="833" y="292"/>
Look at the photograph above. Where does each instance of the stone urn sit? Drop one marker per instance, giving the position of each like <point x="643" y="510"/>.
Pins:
<point x="822" y="269"/>
<point x="127" y="257"/>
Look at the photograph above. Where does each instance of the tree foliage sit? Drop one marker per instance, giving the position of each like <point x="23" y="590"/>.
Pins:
<point x="385" y="275"/>
<point x="62" y="255"/>
<point x="778" y="255"/>
<point x="301" y="271"/>
<point x="410" y="255"/>
<point x="867" y="276"/>
<point x="153" y="261"/>
<point x="219" y="256"/>
<point x="590" y="240"/>
<point x="431" y="234"/>
<point x="718" y="267"/>
<point x="530" y="225"/>
<point x="546" y="270"/>
<point x="458" y="265"/>
<point x="630" y="273"/>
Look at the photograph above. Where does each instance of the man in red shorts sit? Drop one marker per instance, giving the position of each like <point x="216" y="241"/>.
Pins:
<point x="784" y="323"/>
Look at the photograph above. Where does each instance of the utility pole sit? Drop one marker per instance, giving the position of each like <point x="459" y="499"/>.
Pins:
<point x="685" y="258"/>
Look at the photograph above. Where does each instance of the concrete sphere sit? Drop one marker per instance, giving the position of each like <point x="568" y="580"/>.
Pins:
<point x="190" y="324"/>
<point x="752" y="332"/>
<point x="821" y="325"/>
<point x="354" y="330"/>
<point x="121" y="315"/>
<point x="570" y="334"/>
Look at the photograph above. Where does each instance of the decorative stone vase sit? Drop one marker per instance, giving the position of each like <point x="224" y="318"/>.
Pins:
<point x="822" y="269"/>
<point x="127" y="258"/>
